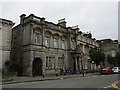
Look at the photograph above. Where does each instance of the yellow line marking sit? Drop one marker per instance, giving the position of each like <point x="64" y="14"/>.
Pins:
<point x="114" y="85"/>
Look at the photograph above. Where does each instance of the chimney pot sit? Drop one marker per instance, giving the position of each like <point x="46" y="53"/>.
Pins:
<point x="22" y="17"/>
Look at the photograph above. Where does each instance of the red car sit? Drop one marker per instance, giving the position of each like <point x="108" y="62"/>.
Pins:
<point x="106" y="70"/>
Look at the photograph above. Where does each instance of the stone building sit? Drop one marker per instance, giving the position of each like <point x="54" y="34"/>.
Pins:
<point x="46" y="48"/>
<point x="5" y="40"/>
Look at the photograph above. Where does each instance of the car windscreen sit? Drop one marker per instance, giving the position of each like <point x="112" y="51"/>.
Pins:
<point x="104" y="69"/>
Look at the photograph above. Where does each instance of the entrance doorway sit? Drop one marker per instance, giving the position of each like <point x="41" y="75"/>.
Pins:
<point x="37" y="66"/>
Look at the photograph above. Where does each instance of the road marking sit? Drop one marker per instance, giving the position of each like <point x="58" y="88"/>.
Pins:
<point x="114" y="85"/>
<point x="107" y="87"/>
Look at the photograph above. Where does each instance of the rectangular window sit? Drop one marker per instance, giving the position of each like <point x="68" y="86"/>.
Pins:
<point x="73" y="44"/>
<point x="60" y="62"/>
<point x="50" y="62"/>
<point x="47" y="64"/>
<point x="63" y="44"/>
<point x="37" y="38"/>
<point x="53" y="62"/>
<point x="47" y="41"/>
<point x="55" y="42"/>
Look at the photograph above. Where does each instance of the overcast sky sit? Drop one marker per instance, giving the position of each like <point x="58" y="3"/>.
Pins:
<point x="101" y="18"/>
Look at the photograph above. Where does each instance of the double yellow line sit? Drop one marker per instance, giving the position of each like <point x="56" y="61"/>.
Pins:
<point x="114" y="85"/>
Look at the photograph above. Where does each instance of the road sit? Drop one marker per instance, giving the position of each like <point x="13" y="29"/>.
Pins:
<point x="100" y="82"/>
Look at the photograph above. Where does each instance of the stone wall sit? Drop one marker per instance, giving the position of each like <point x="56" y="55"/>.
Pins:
<point x="5" y="37"/>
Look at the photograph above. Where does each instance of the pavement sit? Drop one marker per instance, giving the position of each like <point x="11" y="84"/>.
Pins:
<point x="41" y="78"/>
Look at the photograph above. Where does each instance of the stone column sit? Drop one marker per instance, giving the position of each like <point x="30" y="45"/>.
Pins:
<point x="60" y="42"/>
<point x="31" y="35"/>
<point x="76" y="64"/>
<point x="84" y="49"/>
<point x="44" y="63"/>
<point x="43" y="38"/>
<point x="51" y="40"/>
<point x="31" y="62"/>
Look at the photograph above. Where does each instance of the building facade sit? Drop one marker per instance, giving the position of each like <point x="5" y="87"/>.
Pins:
<point x="5" y="40"/>
<point x="46" y="48"/>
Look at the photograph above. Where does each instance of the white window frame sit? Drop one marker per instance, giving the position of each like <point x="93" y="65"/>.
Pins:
<point x="63" y="43"/>
<point x="56" y="42"/>
<point x="53" y="62"/>
<point x="60" y="62"/>
<point x="37" y="38"/>
<point x="50" y="62"/>
<point x="47" y="40"/>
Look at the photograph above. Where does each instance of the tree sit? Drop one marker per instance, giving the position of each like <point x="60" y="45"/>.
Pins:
<point x="110" y="59"/>
<point x="97" y="55"/>
<point x="117" y="59"/>
<point x="114" y="61"/>
<point x="8" y="71"/>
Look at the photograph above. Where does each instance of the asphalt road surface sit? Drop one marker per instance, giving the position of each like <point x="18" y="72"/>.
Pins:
<point x="99" y="82"/>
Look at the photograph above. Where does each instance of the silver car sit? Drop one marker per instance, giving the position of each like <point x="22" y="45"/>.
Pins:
<point x="116" y="69"/>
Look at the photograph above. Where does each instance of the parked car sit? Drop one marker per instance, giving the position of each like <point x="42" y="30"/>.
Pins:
<point x="107" y="70"/>
<point x="116" y="69"/>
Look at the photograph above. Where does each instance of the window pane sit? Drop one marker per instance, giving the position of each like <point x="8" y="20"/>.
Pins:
<point x="37" y="38"/>
<point x="58" y="62"/>
<point x="55" y="42"/>
<point x="53" y="62"/>
<point x="47" y="62"/>
<point x="73" y="44"/>
<point x="47" y="41"/>
<point x="63" y="44"/>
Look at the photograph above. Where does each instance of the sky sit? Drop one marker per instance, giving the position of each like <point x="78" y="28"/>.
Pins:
<point x="99" y="18"/>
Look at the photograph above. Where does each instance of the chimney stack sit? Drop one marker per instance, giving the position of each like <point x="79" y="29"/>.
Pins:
<point x="22" y="17"/>
<point x="62" y="22"/>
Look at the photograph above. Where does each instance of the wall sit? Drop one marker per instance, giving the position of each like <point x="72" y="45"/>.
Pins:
<point x="6" y="32"/>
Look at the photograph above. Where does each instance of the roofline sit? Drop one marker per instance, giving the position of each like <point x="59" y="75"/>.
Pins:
<point x="7" y="21"/>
